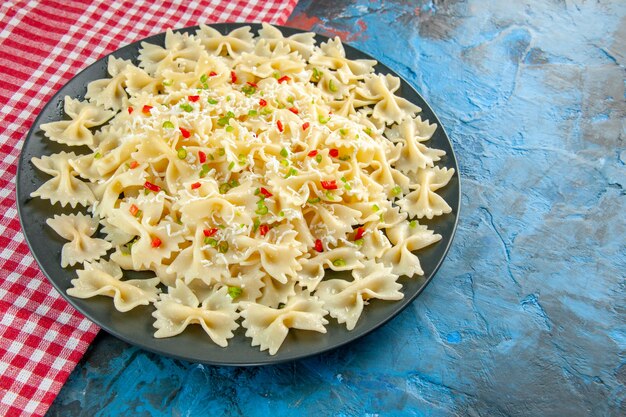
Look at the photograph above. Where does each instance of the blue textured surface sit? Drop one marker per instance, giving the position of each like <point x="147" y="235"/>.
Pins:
<point x="527" y="314"/>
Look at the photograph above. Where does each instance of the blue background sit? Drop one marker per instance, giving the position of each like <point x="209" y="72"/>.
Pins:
<point x="527" y="314"/>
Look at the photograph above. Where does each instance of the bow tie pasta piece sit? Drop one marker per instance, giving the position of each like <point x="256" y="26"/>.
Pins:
<point x="407" y="238"/>
<point x="179" y="307"/>
<point x="424" y="201"/>
<point x="389" y="108"/>
<point x="63" y="187"/>
<point x="303" y="43"/>
<point x="233" y="44"/>
<point x="78" y="228"/>
<point x="181" y="52"/>
<point x="75" y="132"/>
<point x="345" y="300"/>
<point x="104" y="278"/>
<point x="268" y="327"/>
<point x="414" y="155"/>
<point x="109" y="92"/>
<point x="332" y="55"/>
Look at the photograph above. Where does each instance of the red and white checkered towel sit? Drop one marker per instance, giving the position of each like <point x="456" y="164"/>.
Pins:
<point x="43" y="44"/>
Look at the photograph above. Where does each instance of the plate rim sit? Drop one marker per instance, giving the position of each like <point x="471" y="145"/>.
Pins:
<point x="270" y="359"/>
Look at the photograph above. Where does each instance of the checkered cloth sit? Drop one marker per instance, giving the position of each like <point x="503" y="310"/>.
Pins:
<point x="42" y="45"/>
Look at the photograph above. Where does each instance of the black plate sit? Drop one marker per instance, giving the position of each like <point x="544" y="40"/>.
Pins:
<point x="135" y="327"/>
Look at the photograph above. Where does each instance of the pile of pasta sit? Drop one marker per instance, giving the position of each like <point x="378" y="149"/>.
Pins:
<point x="239" y="170"/>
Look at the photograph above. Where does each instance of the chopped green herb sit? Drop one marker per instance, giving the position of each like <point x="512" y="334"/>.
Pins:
<point x="347" y="187"/>
<point x="313" y="200"/>
<point x="234" y="292"/>
<point x="339" y="262"/>
<point x="291" y="173"/>
<point x="284" y="163"/>
<point x="344" y="158"/>
<point x="224" y="120"/>
<point x="284" y="153"/>
<point x="231" y="166"/>
<point x="343" y="179"/>
<point x="290" y="99"/>
<point x="248" y="90"/>
<point x="222" y="247"/>
<point x="167" y="83"/>
<point x="224" y="188"/>
<point x="139" y="213"/>
<point x="212" y="101"/>
<point x="227" y="98"/>
<point x="413" y="223"/>
<point x="203" y="78"/>
<point x="168" y="125"/>
<point x="343" y="132"/>
<point x="204" y="170"/>
<point x="323" y="120"/>
<point x="211" y="157"/>
<point x="266" y="111"/>
<point x="97" y="155"/>
<point x="210" y="241"/>
<point x="276" y="74"/>
<point x="330" y="195"/>
<point x="281" y="213"/>
<point x="255" y="225"/>
<point x="317" y="74"/>
<point x="187" y="107"/>
<point x="252" y="113"/>
<point x="221" y="152"/>
<point x="257" y="191"/>
<point x="182" y="153"/>
<point x="261" y="210"/>
<point x="396" y="190"/>
<point x="205" y="86"/>
<point x="359" y="242"/>
<point x="375" y="207"/>
<point x="318" y="158"/>
<point x="331" y="86"/>
<point x="242" y="159"/>
<point x="229" y="128"/>
<point x="368" y="131"/>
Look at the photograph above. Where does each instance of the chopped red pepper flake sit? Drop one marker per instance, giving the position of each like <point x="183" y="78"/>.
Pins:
<point x="263" y="229"/>
<point x="146" y="109"/>
<point x="130" y="110"/>
<point x="156" y="242"/>
<point x="318" y="246"/>
<point x="293" y="110"/>
<point x="152" y="187"/>
<point x="201" y="157"/>
<point x="193" y="98"/>
<point x="212" y="74"/>
<point x="195" y="185"/>
<point x="279" y="125"/>
<point x="333" y="152"/>
<point x="305" y="126"/>
<point x="265" y="193"/>
<point x="210" y="232"/>
<point x="252" y="84"/>
<point x="359" y="233"/>
<point x="233" y="77"/>
<point x="312" y="153"/>
<point x="329" y="185"/>
<point x="262" y="103"/>
<point x="184" y="132"/>
<point x="283" y="79"/>
<point x="134" y="164"/>
<point x="134" y="210"/>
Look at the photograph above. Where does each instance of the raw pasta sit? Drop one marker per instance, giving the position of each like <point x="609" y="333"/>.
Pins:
<point x="240" y="170"/>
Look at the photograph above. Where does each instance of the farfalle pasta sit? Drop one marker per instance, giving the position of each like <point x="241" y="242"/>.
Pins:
<point x="239" y="170"/>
